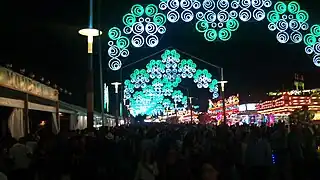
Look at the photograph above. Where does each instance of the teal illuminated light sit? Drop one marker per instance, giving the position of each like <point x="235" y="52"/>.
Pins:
<point x="289" y="20"/>
<point x="151" y="91"/>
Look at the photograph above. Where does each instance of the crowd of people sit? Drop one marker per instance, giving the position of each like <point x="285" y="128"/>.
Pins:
<point x="166" y="152"/>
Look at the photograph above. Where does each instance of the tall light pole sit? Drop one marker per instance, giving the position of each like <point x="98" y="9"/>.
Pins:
<point x="222" y="82"/>
<point x="190" y="101"/>
<point x="100" y="65"/>
<point x="116" y="86"/>
<point x="90" y="32"/>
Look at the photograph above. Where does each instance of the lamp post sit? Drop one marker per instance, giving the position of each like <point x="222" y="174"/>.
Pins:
<point x="223" y="82"/>
<point x="116" y="86"/>
<point x="90" y="32"/>
<point x="190" y="101"/>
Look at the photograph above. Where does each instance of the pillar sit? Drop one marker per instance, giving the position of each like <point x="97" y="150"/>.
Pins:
<point x="27" y="124"/>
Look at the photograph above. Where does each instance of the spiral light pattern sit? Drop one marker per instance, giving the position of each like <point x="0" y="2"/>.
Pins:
<point x="289" y="20"/>
<point x="312" y="42"/>
<point x="115" y="64"/>
<point x="219" y="18"/>
<point x="142" y="24"/>
<point x="152" y="90"/>
<point x="215" y="19"/>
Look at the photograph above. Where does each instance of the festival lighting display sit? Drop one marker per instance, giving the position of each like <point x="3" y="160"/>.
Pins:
<point x="312" y="42"/>
<point x="215" y="20"/>
<point x="232" y="106"/>
<point x="287" y="103"/>
<point x="151" y="91"/>
<point x="289" y="20"/>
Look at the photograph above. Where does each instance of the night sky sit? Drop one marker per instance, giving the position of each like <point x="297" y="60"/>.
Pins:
<point x="41" y="36"/>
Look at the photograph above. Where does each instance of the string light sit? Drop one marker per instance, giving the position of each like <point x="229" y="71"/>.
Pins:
<point x="143" y="24"/>
<point x="151" y="91"/>
<point x="215" y="19"/>
<point x="202" y="78"/>
<point x="289" y="20"/>
<point x="312" y="42"/>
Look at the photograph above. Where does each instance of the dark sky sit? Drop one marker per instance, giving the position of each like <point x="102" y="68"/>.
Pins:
<point x="41" y="36"/>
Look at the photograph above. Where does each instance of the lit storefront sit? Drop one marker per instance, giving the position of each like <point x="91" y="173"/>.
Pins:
<point x="288" y="102"/>
<point x="215" y="109"/>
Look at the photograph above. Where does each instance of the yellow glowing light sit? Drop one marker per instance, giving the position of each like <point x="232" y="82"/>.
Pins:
<point x="90" y="33"/>
<point x="222" y="84"/>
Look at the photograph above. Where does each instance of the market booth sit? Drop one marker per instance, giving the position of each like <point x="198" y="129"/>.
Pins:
<point x="289" y="102"/>
<point x="27" y="105"/>
<point x="23" y="99"/>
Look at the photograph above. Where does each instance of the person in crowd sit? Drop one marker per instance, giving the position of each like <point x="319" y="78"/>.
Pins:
<point x="167" y="152"/>
<point x="21" y="157"/>
<point x="147" y="167"/>
<point x="208" y="172"/>
<point x="258" y="156"/>
<point x="279" y="145"/>
<point x="3" y="176"/>
<point x="296" y="144"/>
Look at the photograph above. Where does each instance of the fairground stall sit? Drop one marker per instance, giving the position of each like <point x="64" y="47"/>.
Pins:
<point x="215" y="109"/>
<point x="282" y="106"/>
<point x="27" y="106"/>
<point x="248" y="114"/>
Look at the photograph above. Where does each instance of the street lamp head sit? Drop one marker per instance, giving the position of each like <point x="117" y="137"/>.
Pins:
<point x="90" y="32"/>
<point x="222" y="84"/>
<point x="116" y="85"/>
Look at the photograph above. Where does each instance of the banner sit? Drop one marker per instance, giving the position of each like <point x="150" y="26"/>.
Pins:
<point x="18" y="82"/>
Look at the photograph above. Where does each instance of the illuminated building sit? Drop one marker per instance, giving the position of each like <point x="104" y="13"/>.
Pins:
<point x="216" y="108"/>
<point x="288" y="102"/>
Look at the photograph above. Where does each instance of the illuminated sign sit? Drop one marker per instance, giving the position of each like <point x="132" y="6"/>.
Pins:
<point x="242" y="107"/>
<point x="247" y="107"/>
<point x="294" y="92"/>
<point x="18" y="82"/>
<point x="251" y="107"/>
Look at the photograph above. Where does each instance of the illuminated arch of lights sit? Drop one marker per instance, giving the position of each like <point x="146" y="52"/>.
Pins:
<point x="216" y="20"/>
<point x="151" y="91"/>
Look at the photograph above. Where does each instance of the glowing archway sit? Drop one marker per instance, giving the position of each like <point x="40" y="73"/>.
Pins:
<point x="151" y="91"/>
<point x="215" y="19"/>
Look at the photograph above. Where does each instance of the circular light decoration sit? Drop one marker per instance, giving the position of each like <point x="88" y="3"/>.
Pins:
<point x="141" y="27"/>
<point x="147" y="97"/>
<point x="128" y="89"/>
<point x="217" y="19"/>
<point x="117" y="49"/>
<point x="177" y="96"/>
<point x="167" y="104"/>
<point x="187" y="68"/>
<point x="186" y="7"/>
<point x="157" y="85"/>
<point x="289" y="21"/>
<point x="312" y="42"/>
<point x="214" y="89"/>
<point x="143" y="24"/>
<point x="171" y="60"/>
<point x="167" y="89"/>
<point x="140" y="78"/>
<point x="155" y="68"/>
<point x="202" y="78"/>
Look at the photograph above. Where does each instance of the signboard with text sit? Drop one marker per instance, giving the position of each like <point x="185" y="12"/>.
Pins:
<point x="18" y="82"/>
